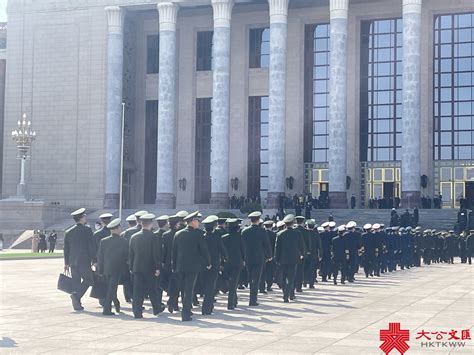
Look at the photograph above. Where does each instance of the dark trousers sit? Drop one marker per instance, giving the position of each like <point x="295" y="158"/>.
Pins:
<point x="288" y="273"/>
<point x="369" y="264"/>
<point x="339" y="264"/>
<point x="325" y="266"/>
<point x="173" y="290"/>
<point x="159" y="290"/>
<point x="254" y="273"/>
<point x="209" y="282"/>
<point x="127" y="282"/>
<point x="82" y="278"/>
<point x="263" y="277"/>
<point x="111" y="295"/>
<point x="187" y="281"/>
<point x="270" y="273"/>
<point x="51" y="247"/>
<point x="144" y="283"/>
<point x="299" y="275"/>
<point x="233" y="274"/>
<point x="310" y="270"/>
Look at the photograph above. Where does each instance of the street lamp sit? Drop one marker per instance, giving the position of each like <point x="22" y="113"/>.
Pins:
<point x="23" y="135"/>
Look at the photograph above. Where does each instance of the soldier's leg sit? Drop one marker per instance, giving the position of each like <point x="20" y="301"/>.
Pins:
<point x="189" y="280"/>
<point x="127" y="287"/>
<point x="291" y="273"/>
<point x="255" y="272"/>
<point x="158" y="289"/>
<point x="109" y="297"/>
<point x="234" y="274"/>
<point x="261" y="285"/>
<point x="209" y="290"/>
<point x="138" y="294"/>
<point x="87" y="280"/>
<point x="299" y="276"/>
<point x="173" y="292"/>
<point x="284" y="281"/>
<point x="270" y="274"/>
<point x="150" y="280"/>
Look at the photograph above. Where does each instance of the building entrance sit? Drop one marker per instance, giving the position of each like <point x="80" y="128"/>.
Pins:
<point x="469" y="193"/>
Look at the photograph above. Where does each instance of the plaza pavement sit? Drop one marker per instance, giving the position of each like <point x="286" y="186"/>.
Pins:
<point x="343" y="319"/>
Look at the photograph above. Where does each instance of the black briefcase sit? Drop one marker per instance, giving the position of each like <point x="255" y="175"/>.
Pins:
<point x="65" y="283"/>
<point x="99" y="288"/>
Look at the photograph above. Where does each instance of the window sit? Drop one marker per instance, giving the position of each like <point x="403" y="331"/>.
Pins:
<point x="258" y="147"/>
<point x="259" y="51"/>
<point x="202" y="161"/>
<point x="152" y="54"/>
<point x="381" y="90"/>
<point x="151" y="143"/>
<point x="453" y="87"/>
<point x="204" y="51"/>
<point x="316" y="93"/>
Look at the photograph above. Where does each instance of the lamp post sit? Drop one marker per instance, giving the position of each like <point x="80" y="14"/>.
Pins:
<point x="23" y="135"/>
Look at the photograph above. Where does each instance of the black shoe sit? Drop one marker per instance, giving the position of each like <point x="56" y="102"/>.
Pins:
<point x="170" y="308"/>
<point x="311" y="286"/>
<point x="263" y="291"/>
<point x="324" y="280"/>
<point x="343" y="282"/>
<point x="285" y="300"/>
<point x="117" y="306"/>
<point x="108" y="313"/>
<point x="76" y="303"/>
<point x="186" y="319"/>
<point x="206" y="313"/>
<point x="128" y="300"/>
<point x="160" y="310"/>
<point x="292" y="297"/>
<point x="230" y="308"/>
<point x="335" y="282"/>
<point x="241" y="287"/>
<point x="253" y="304"/>
<point x="269" y="289"/>
<point x="139" y="316"/>
<point x="299" y="290"/>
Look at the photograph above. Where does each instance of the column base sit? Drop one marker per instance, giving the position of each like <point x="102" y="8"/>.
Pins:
<point x="411" y="199"/>
<point x="111" y="201"/>
<point x="274" y="200"/>
<point x="21" y="191"/>
<point x="338" y="200"/>
<point x="165" y="200"/>
<point x="219" y="200"/>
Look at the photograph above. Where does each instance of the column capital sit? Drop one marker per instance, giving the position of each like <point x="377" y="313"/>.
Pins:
<point x="338" y="8"/>
<point x="222" y="12"/>
<point x="115" y="17"/>
<point x="168" y="14"/>
<point x="411" y="6"/>
<point x="278" y="10"/>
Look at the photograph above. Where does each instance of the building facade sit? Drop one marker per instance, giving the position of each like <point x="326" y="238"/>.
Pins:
<point x="338" y="98"/>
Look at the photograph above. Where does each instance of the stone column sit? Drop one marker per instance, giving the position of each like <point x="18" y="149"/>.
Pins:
<point x="222" y="10"/>
<point x="411" y="104"/>
<point x="165" y="185"/>
<point x="277" y="101"/>
<point x="337" y="154"/>
<point x="113" y="133"/>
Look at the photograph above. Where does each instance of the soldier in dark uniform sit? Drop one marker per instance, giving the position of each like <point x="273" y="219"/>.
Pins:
<point x="189" y="252"/>
<point x="79" y="255"/>
<point x="235" y="259"/>
<point x="127" y="277"/>
<point x="162" y="222"/>
<point x="112" y="260"/>
<point x="257" y="252"/>
<point x="326" y="240"/>
<point x="352" y="245"/>
<point x="52" y="238"/>
<point x="368" y="244"/>
<point x="470" y="246"/>
<point x="300" y="227"/>
<point x="289" y="251"/>
<point x="104" y="231"/>
<point x="217" y="252"/>
<point x="270" y="265"/>
<point x="267" y="225"/>
<point x="311" y="262"/>
<point x="451" y="247"/>
<point x="145" y="263"/>
<point x="339" y="255"/>
<point x="221" y="229"/>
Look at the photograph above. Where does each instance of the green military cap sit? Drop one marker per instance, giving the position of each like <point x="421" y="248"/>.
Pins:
<point x="233" y="220"/>
<point x="289" y="218"/>
<point x="139" y="214"/>
<point x="114" y="224"/>
<point x="181" y="214"/>
<point x="106" y="215"/>
<point x="148" y="216"/>
<point x="299" y="218"/>
<point x="78" y="212"/>
<point x="162" y="218"/>
<point x="191" y="216"/>
<point x="210" y="219"/>
<point x="311" y="222"/>
<point x="341" y="228"/>
<point x="131" y="218"/>
<point x="255" y="214"/>
<point x="320" y="229"/>
<point x="268" y="223"/>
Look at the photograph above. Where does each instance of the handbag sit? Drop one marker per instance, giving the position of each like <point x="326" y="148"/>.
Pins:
<point x="99" y="288"/>
<point x="65" y="283"/>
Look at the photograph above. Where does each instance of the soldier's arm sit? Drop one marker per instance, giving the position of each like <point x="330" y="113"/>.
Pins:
<point x="174" y="255"/>
<point x="66" y="251"/>
<point x="308" y="247"/>
<point x="277" y="249"/>
<point x="204" y="251"/>
<point x="131" y="254"/>
<point x="100" y="258"/>
<point x="223" y="249"/>
<point x="92" y="246"/>
<point x="157" y="252"/>
<point x="242" y="249"/>
<point x="266" y="245"/>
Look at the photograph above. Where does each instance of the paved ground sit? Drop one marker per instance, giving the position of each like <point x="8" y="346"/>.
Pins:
<point x="343" y="319"/>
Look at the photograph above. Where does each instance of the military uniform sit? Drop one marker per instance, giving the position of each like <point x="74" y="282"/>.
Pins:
<point x="189" y="251"/>
<point x="144" y="261"/>
<point x="339" y="256"/>
<point x="169" y="279"/>
<point x="257" y="250"/>
<point x="306" y="236"/>
<point x="369" y="245"/>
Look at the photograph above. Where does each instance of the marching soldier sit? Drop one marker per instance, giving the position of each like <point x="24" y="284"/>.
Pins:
<point x="311" y="263"/>
<point x="127" y="277"/>
<point x="289" y="251"/>
<point x="339" y="255"/>
<point x="162" y="222"/>
<point x="257" y="252"/>
<point x="307" y="252"/>
<point x="217" y="252"/>
<point x="79" y="255"/>
<point x="112" y="262"/>
<point x="145" y="263"/>
<point x="326" y="241"/>
<point x="352" y="246"/>
<point x="104" y="231"/>
<point x="269" y="267"/>
<point x="235" y="259"/>
<point x="189" y="250"/>
<point x="368" y="243"/>
<point x="169" y="280"/>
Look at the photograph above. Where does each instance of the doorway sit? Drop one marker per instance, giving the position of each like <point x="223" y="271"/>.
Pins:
<point x="469" y="193"/>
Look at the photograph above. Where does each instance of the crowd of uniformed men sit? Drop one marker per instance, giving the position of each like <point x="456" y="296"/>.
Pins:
<point x="172" y="254"/>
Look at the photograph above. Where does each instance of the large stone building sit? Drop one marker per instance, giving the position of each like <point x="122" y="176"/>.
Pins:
<point x="244" y="97"/>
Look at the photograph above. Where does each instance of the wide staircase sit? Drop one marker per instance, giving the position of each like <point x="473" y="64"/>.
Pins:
<point x="443" y="219"/>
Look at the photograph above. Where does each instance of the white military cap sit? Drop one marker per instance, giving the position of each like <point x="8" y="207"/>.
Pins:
<point x="106" y="215"/>
<point x="163" y="218"/>
<point x="210" y="219"/>
<point x="280" y="224"/>
<point x="351" y="224"/>
<point x="332" y="224"/>
<point x="367" y="226"/>
<point x="114" y="224"/>
<point x="289" y="218"/>
<point x="141" y="213"/>
<point x="341" y="228"/>
<point x="182" y="214"/>
<point x="376" y="226"/>
<point x="325" y="224"/>
<point x="78" y="212"/>
<point x="131" y="218"/>
<point x="255" y="214"/>
<point x="320" y="229"/>
<point x="148" y="216"/>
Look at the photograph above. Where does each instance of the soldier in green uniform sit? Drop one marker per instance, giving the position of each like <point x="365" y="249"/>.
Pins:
<point x="311" y="262"/>
<point x="217" y="252"/>
<point x="269" y="269"/>
<point x="169" y="279"/>
<point x="300" y="227"/>
<point x="162" y="222"/>
<point x="127" y="277"/>
<point x="235" y="259"/>
<point x="257" y="252"/>
<point x="145" y="263"/>
<point x="104" y="231"/>
<point x="79" y="255"/>
<point x="112" y="260"/>
<point x="189" y="250"/>
<point x="289" y="251"/>
<point x="138" y="215"/>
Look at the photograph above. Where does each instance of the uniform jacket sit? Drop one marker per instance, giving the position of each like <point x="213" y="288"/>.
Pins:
<point x="79" y="247"/>
<point x="234" y="245"/>
<point x="189" y="250"/>
<point x="112" y="257"/>
<point x="257" y="247"/>
<point x="145" y="252"/>
<point x="289" y="247"/>
<point x="216" y="247"/>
